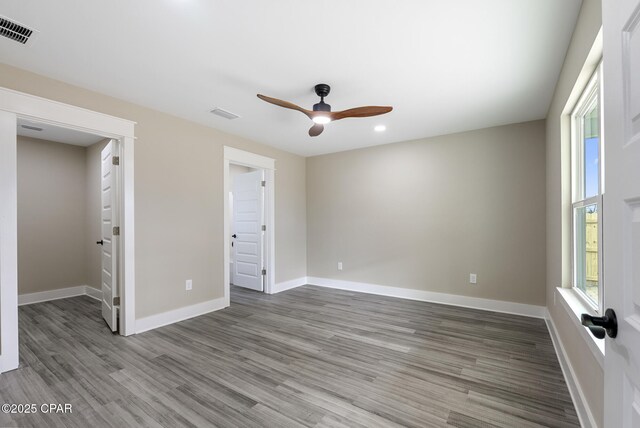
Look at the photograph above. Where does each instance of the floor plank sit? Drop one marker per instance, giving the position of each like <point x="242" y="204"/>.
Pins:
<point x="310" y="356"/>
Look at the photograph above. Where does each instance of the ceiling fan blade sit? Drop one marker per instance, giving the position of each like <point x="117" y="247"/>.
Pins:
<point x="360" y="112"/>
<point x="285" y="104"/>
<point x="316" y="129"/>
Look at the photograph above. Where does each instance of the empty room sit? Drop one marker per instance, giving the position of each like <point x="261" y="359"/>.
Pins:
<point x="290" y="213"/>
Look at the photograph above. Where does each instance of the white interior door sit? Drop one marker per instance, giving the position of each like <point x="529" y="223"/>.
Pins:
<point x="247" y="228"/>
<point x="109" y="248"/>
<point x="621" y="109"/>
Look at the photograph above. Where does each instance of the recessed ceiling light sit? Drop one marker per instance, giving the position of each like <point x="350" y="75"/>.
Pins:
<point x="380" y="128"/>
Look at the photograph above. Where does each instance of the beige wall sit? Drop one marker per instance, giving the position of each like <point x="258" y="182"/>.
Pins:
<point x="58" y="215"/>
<point x="588" y="371"/>
<point x="93" y="218"/>
<point x="425" y="214"/>
<point x="51" y="215"/>
<point x="179" y="198"/>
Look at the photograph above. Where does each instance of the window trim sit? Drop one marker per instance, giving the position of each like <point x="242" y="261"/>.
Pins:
<point x="575" y="306"/>
<point x="592" y="92"/>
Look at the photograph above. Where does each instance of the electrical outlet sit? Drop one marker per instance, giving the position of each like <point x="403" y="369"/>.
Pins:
<point x="339" y="265"/>
<point x="189" y="284"/>
<point x="473" y="279"/>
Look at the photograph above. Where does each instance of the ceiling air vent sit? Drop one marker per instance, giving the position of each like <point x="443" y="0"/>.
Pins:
<point x="224" y="113"/>
<point x="14" y="31"/>
<point x="32" y="128"/>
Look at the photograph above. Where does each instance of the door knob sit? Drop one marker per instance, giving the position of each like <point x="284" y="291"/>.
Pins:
<point x="234" y="236"/>
<point x="100" y="242"/>
<point x="598" y="326"/>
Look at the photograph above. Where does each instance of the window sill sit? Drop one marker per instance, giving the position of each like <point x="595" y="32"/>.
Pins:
<point x="575" y="307"/>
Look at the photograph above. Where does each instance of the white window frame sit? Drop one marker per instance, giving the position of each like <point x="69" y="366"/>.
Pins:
<point x="591" y="93"/>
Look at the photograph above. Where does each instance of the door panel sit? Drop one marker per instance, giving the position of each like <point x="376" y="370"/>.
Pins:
<point x="109" y="249"/>
<point x="247" y="227"/>
<point x="621" y="218"/>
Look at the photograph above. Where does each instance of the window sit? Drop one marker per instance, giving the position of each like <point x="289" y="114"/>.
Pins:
<point x="587" y="187"/>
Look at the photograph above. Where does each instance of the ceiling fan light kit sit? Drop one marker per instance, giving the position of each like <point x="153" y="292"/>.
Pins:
<point x="322" y="114"/>
<point x="321" y="120"/>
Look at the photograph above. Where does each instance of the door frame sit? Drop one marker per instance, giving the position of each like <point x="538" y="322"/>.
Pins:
<point x="252" y="160"/>
<point x="14" y="105"/>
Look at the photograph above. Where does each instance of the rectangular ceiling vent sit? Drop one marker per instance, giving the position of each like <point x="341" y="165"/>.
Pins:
<point x="14" y="31"/>
<point x="31" y="128"/>
<point x="224" y="113"/>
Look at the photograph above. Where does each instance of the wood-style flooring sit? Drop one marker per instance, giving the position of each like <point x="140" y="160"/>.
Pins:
<point x="310" y="357"/>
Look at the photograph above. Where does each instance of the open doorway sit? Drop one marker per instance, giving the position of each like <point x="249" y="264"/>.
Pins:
<point x="16" y="105"/>
<point x="249" y="183"/>
<point x="68" y="199"/>
<point x="246" y="201"/>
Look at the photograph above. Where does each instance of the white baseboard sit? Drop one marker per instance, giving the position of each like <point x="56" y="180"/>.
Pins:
<point x="579" y="401"/>
<point x="288" y="285"/>
<point x="61" y="293"/>
<point x="93" y="292"/>
<point x="430" y="296"/>
<point x="45" y="296"/>
<point x="181" y="314"/>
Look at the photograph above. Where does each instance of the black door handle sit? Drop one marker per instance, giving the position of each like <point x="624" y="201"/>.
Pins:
<point x="234" y="236"/>
<point x="598" y="326"/>
<point x="100" y="242"/>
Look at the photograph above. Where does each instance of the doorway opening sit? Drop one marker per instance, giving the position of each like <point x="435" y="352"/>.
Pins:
<point x="246" y="200"/>
<point x="16" y="106"/>
<point x="249" y="183"/>
<point x="68" y="199"/>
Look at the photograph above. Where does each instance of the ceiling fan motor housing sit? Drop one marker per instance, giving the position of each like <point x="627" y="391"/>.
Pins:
<point x="322" y="106"/>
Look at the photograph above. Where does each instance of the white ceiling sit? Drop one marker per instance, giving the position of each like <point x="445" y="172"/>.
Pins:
<point x="445" y="66"/>
<point x="56" y="134"/>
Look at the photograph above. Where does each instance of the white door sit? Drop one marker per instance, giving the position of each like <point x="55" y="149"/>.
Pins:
<point x="247" y="229"/>
<point x="621" y="109"/>
<point x="109" y="248"/>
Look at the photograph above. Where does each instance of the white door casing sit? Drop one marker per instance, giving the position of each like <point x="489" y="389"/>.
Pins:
<point x="231" y="155"/>
<point x="13" y="105"/>
<point x="621" y="111"/>
<point x="109" y="216"/>
<point x="248" y="197"/>
<point x="9" y="358"/>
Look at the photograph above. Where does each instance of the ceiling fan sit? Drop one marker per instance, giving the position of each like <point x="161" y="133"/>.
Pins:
<point x="322" y="114"/>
